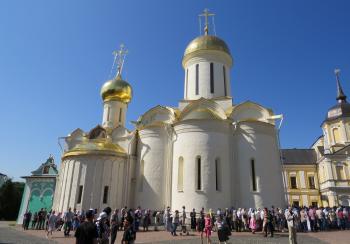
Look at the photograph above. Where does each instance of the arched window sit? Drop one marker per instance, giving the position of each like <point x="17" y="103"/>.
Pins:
<point x="142" y="166"/>
<point x="197" y="79"/>
<point x="211" y="77"/>
<point x="253" y="177"/>
<point x="80" y="194"/>
<point x="180" y="175"/>
<point x="336" y="135"/>
<point x="217" y="174"/>
<point x="120" y="114"/>
<point x="105" y="194"/>
<point x="198" y="174"/>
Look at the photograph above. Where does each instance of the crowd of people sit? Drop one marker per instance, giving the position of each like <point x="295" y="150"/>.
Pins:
<point x="105" y="225"/>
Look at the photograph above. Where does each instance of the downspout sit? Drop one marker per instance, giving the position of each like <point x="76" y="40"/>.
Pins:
<point x="234" y="191"/>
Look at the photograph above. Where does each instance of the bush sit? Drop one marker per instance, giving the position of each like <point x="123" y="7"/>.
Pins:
<point x="10" y="199"/>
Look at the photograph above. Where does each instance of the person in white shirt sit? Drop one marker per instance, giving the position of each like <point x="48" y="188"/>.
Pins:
<point x="291" y="222"/>
<point x="51" y="224"/>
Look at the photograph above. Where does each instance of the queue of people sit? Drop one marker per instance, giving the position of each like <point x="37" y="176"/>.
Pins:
<point x="223" y="222"/>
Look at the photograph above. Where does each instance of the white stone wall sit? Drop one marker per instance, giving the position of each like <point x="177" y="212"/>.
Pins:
<point x="152" y="156"/>
<point x="219" y="60"/>
<point x="257" y="140"/>
<point x="208" y="139"/>
<point x="93" y="172"/>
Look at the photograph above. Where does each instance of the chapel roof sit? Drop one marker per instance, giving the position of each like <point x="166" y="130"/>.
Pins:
<point x="47" y="168"/>
<point x="299" y="156"/>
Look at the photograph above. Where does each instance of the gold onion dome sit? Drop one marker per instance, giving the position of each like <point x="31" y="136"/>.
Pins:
<point x="206" y="42"/>
<point x="116" y="90"/>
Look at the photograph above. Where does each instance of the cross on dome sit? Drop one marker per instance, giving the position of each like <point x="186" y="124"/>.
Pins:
<point x="119" y="58"/>
<point x="206" y="14"/>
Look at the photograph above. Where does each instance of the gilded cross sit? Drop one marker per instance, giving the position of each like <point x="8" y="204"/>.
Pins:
<point x="206" y="14"/>
<point x="119" y="58"/>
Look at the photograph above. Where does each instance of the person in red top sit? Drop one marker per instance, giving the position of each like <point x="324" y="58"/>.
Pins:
<point x="207" y="227"/>
<point x="341" y="222"/>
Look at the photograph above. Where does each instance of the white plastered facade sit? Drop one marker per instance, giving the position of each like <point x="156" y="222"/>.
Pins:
<point x="237" y="146"/>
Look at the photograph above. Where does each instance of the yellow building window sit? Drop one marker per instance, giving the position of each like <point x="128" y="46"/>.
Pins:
<point x="340" y="172"/>
<point x="336" y="135"/>
<point x="293" y="182"/>
<point x="311" y="182"/>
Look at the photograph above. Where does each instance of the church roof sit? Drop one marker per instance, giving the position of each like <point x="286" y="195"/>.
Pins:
<point x="299" y="156"/>
<point x="341" y="110"/>
<point x="47" y="168"/>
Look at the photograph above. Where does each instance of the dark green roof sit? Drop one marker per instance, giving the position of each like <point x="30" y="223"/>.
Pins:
<point x="47" y="168"/>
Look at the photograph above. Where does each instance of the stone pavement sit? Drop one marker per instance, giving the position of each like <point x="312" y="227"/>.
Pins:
<point x="12" y="236"/>
<point x="17" y="235"/>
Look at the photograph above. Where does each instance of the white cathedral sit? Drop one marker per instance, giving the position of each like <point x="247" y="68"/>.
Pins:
<point x="207" y="152"/>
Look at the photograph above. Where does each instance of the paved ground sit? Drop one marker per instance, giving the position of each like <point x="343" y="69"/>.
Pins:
<point x="17" y="235"/>
<point x="10" y="235"/>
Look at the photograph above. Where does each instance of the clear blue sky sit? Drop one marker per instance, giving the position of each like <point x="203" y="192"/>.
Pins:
<point x="55" y="55"/>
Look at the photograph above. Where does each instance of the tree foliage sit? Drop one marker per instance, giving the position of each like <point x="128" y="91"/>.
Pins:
<point x="10" y="199"/>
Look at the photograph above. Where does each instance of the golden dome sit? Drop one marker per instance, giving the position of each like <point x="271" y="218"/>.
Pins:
<point x="116" y="90"/>
<point x="206" y="42"/>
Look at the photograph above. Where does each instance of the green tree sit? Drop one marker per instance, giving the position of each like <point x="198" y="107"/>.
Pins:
<point x="10" y="199"/>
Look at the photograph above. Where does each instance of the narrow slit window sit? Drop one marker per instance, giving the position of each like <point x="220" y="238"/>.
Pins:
<point x="197" y="79"/>
<point x="80" y="194"/>
<point x="224" y="73"/>
<point x="252" y="162"/>
<point x="217" y="175"/>
<point x="108" y="113"/>
<point x="120" y="114"/>
<point x="186" y="82"/>
<point x="199" y="174"/>
<point x="180" y="179"/>
<point x="211" y="77"/>
<point x="105" y="194"/>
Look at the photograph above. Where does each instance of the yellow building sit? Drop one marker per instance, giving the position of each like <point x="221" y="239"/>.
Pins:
<point x="300" y="176"/>
<point x="327" y="163"/>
